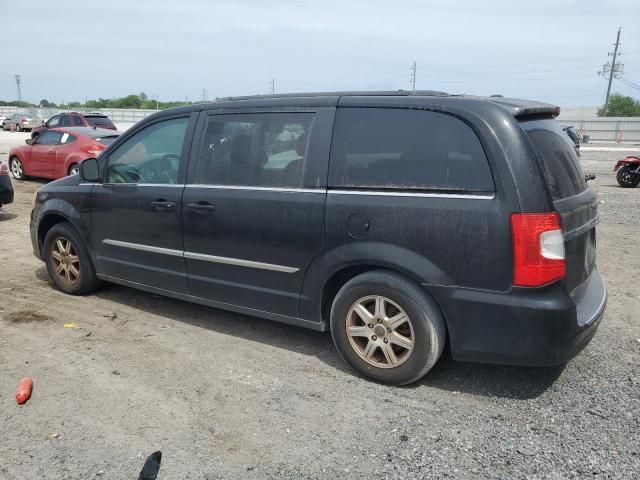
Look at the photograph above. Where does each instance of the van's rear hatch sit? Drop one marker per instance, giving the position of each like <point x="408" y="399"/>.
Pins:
<point x="573" y="199"/>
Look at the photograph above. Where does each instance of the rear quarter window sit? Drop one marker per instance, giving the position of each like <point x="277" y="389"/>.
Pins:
<point x="407" y="150"/>
<point x="557" y="157"/>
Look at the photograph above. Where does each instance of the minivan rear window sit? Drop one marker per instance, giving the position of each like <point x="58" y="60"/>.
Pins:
<point x="557" y="157"/>
<point x="99" y="121"/>
<point x="387" y="148"/>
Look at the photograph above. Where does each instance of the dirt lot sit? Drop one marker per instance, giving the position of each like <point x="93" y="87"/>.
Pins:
<point x="229" y="396"/>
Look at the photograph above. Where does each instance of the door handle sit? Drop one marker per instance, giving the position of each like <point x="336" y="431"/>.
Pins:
<point x="162" y="205"/>
<point x="51" y="152"/>
<point x="201" y="207"/>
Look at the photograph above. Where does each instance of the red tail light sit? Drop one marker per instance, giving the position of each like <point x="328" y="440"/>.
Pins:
<point x="94" y="148"/>
<point x="538" y="249"/>
<point x="24" y="120"/>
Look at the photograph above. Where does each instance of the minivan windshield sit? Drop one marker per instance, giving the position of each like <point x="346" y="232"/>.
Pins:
<point x="557" y="157"/>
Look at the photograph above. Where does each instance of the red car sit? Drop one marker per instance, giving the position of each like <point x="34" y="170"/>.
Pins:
<point x="57" y="152"/>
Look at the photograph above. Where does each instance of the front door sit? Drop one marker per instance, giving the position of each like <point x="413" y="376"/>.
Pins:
<point x="253" y="210"/>
<point x="42" y="154"/>
<point x="137" y="211"/>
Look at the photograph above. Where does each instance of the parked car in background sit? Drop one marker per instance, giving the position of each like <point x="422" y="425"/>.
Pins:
<point x="22" y="122"/>
<point x="57" y="152"/>
<point x="74" y="119"/>
<point x="2" y="119"/>
<point x="573" y="134"/>
<point x="6" y="188"/>
<point x="397" y="220"/>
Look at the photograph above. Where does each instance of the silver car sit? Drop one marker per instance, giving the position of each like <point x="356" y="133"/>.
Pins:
<point x="21" y="122"/>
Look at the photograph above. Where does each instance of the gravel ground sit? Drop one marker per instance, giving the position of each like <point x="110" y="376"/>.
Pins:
<point x="234" y="397"/>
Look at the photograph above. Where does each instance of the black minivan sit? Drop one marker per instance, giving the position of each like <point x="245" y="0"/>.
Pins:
<point x="400" y="221"/>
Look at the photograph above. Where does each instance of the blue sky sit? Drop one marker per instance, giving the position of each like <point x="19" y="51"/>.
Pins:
<point x="546" y="50"/>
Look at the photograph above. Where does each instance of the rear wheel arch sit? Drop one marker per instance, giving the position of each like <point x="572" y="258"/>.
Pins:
<point x="330" y="271"/>
<point x="341" y="277"/>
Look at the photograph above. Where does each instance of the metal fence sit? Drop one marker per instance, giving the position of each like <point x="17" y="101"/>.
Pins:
<point x="610" y="129"/>
<point x="117" y="115"/>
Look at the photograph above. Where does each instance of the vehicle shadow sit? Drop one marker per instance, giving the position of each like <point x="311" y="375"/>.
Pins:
<point x="4" y="216"/>
<point x="477" y="379"/>
<point x="502" y="381"/>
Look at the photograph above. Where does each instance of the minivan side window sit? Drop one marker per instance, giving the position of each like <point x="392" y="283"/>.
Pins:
<point x="256" y="149"/>
<point x="386" y="148"/>
<point x="151" y="155"/>
<point x="54" y="122"/>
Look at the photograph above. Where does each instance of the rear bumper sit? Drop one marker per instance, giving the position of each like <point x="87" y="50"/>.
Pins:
<point x="543" y="326"/>
<point x="6" y="190"/>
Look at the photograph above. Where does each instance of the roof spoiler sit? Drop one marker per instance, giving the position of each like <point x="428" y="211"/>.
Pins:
<point x="525" y="108"/>
<point x="550" y="110"/>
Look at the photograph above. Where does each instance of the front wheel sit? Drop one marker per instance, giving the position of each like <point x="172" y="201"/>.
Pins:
<point x="17" y="169"/>
<point x="626" y="178"/>
<point x="68" y="261"/>
<point x="387" y="328"/>
<point x="18" y="127"/>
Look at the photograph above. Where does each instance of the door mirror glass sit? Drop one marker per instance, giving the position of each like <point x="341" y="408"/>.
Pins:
<point x="89" y="170"/>
<point x="30" y="141"/>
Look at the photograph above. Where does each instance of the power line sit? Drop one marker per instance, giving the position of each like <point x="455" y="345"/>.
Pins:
<point x="628" y="82"/>
<point x="632" y="53"/>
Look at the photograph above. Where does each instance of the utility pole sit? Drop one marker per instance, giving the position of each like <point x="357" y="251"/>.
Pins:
<point x="204" y="94"/>
<point x="18" y="81"/>
<point x="273" y="86"/>
<point x="413" y="77"/>
<point x="613" y="69"/>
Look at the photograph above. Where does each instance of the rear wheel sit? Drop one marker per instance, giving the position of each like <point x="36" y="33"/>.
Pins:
<point x="626" y="178"/>
<point x="17" y="169"/>
<point x="387" y="327"/>
<point x="74" y="169"/>
<point x="68" y="261"/>
<point x="18" y="127"/>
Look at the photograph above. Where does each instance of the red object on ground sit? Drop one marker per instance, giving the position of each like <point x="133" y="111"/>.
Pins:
<point x="24" y="390"/>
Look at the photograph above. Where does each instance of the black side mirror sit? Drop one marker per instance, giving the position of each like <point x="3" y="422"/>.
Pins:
<point x="90" y="170"/>
<point x="30" y="141"/>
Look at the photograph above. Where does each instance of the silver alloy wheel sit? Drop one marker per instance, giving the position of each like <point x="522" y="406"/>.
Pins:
<point x="16" y="168"/>
<point x="65" y="261"/>
<point x="74" y="170"/>
<point x="18" y="127"/>
<point x="380" y="331"/>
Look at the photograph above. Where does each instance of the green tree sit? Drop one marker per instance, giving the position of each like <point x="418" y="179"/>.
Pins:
<point x="621" y="106"/>
<point x="46" y="103"/>
<point x="143" y="96"/>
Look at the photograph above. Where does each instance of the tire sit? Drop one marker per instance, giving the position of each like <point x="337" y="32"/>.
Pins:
<point x="18" y="127"/>
<point x="17" y="168"/>
<point x="367" y="350"/>
<point x="62" y="246"/>
<point x="74" y="169"/>
<point x="626" y="179"/>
